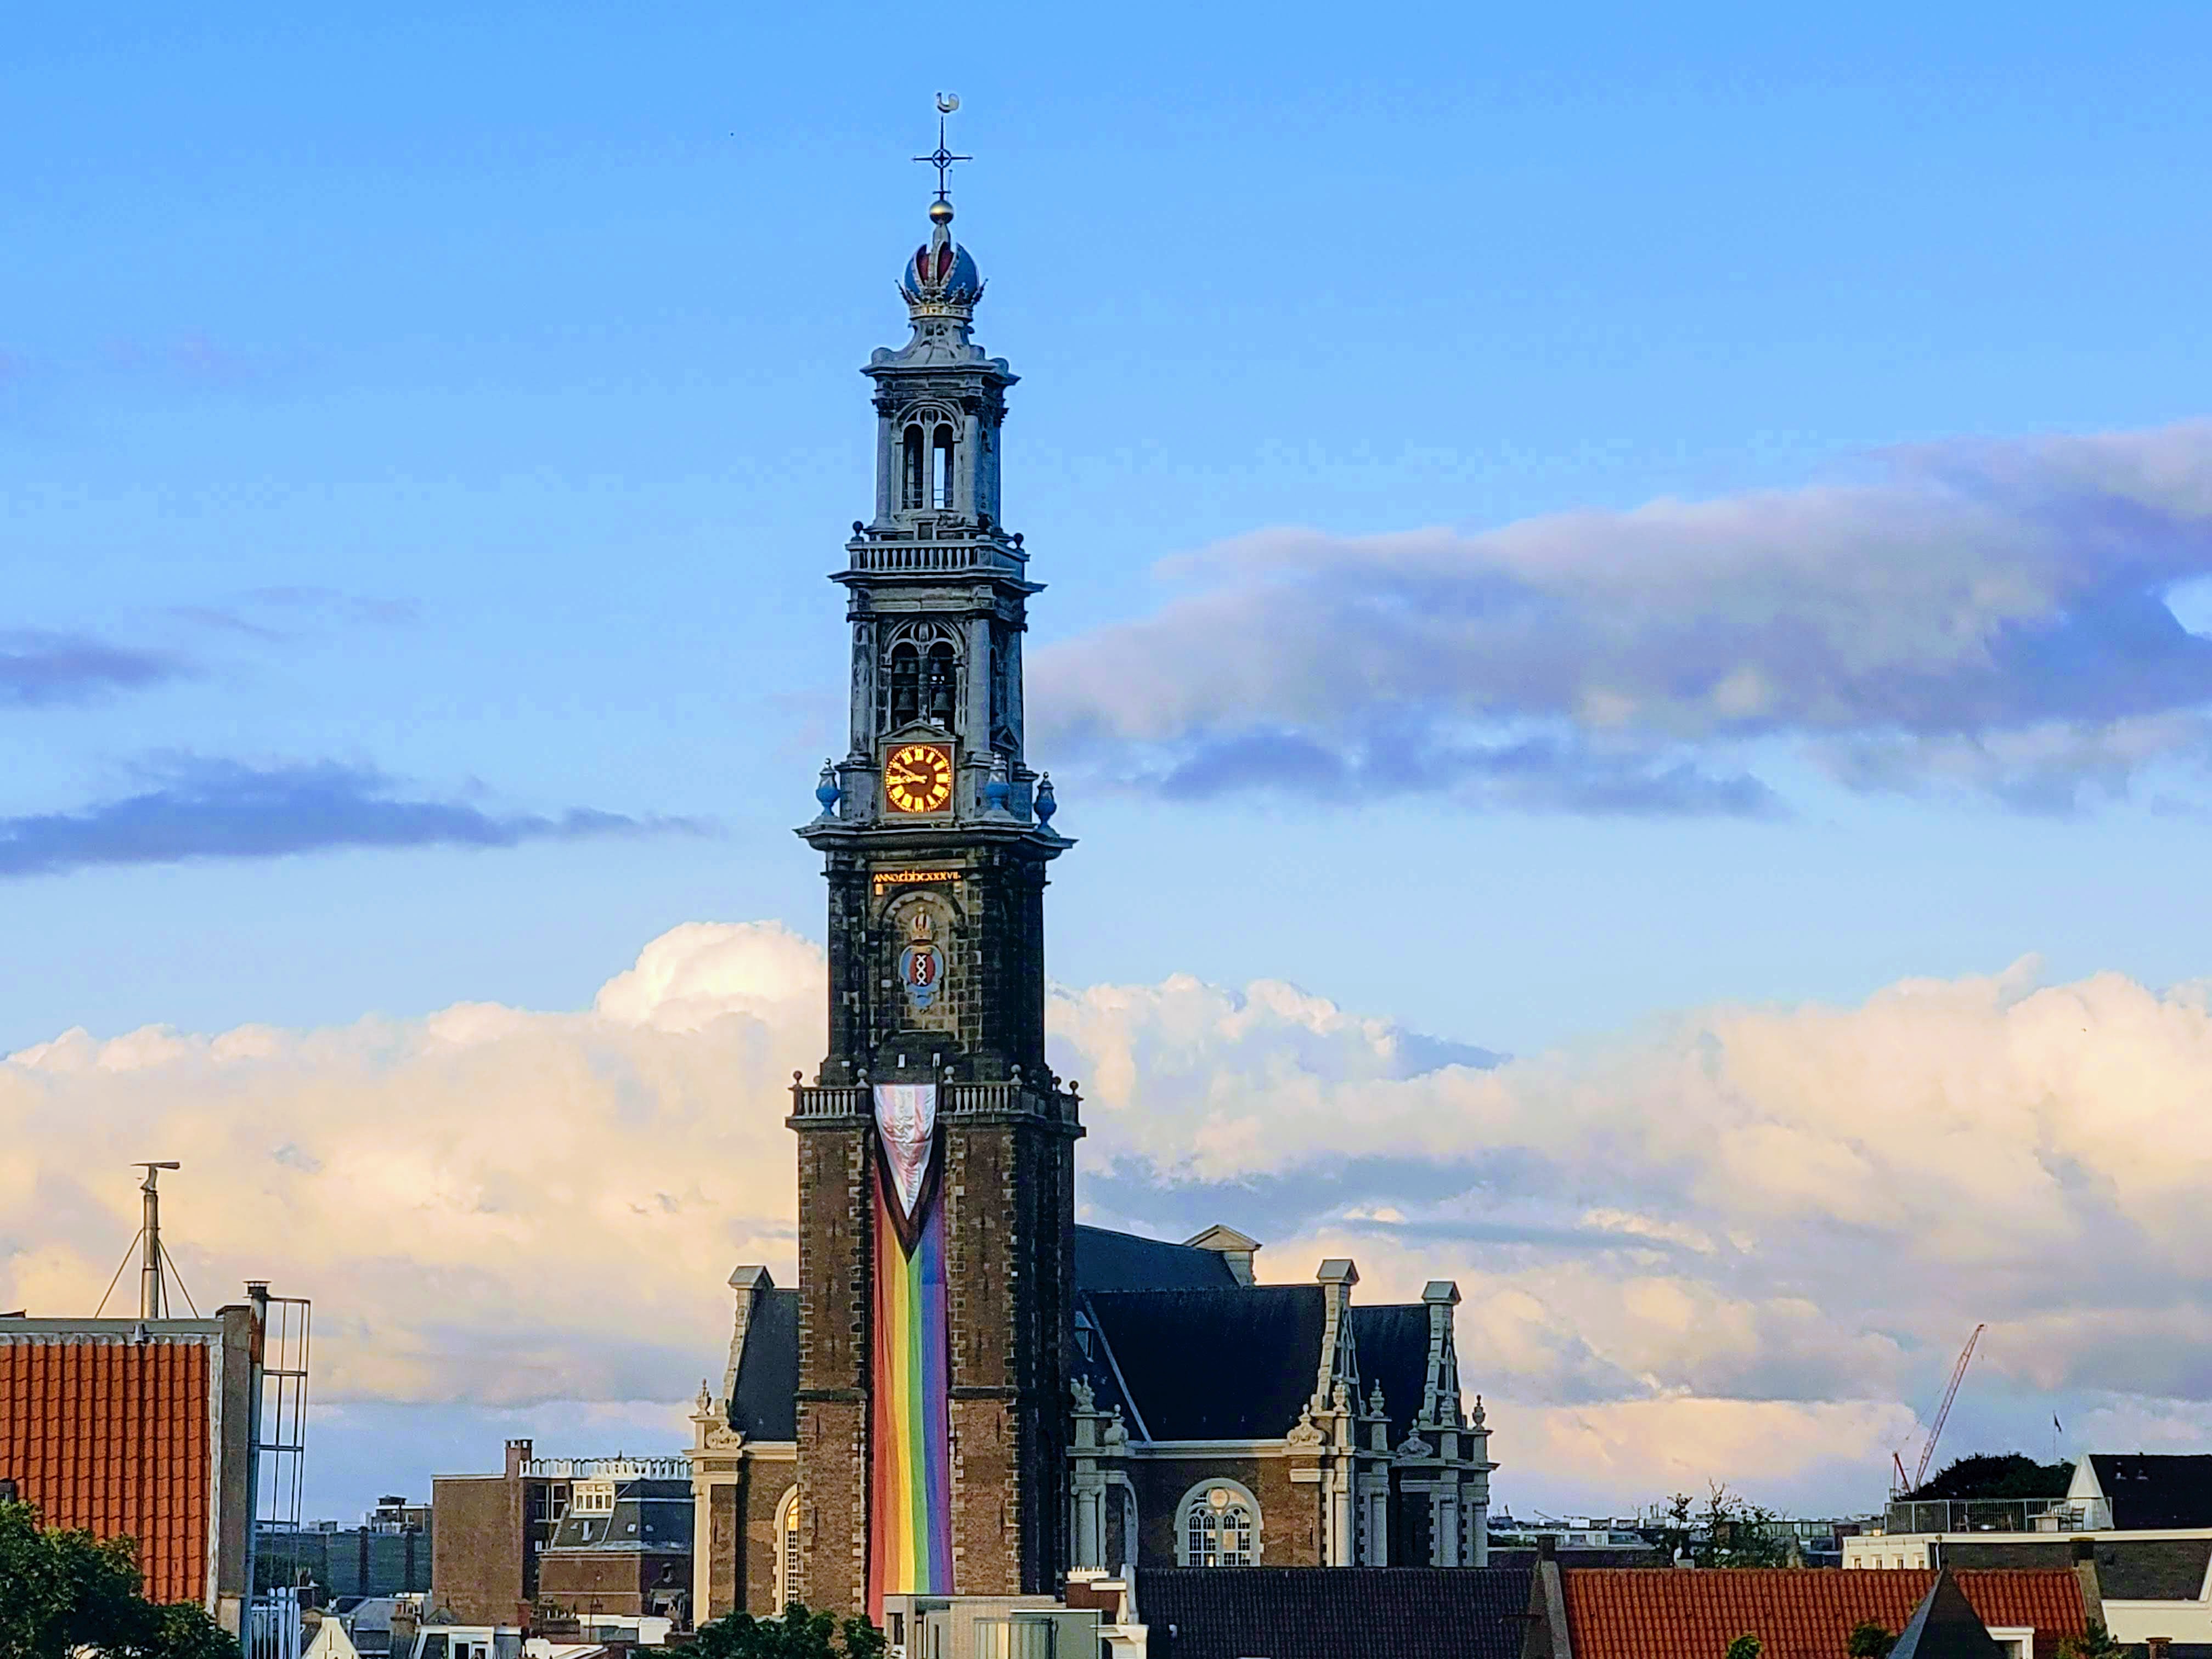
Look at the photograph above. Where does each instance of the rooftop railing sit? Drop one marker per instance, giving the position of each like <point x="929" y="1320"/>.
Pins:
<point x="955" y="1100"/>
<point x="1981" y="1514"/>
<point x="933" y="558"/>
<point x="609" y="1468"/>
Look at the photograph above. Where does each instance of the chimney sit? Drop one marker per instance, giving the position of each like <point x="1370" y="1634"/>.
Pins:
<point x="1234" y="1249"/>
<point x="2085" y="1573"/>
<point x="518" y="1454"/>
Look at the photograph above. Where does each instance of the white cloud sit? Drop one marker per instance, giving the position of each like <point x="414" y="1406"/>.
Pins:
<point x="1743" y="1244"/>
<point x="1986" y="617"/>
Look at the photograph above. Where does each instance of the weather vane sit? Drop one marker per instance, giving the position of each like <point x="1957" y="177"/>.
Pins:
<point x="942" y="159"/>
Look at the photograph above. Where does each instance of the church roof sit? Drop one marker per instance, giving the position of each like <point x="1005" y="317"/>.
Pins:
<point x="1321" y="1613"/>
<point x="1221" y="1364"/>
<point x="1393" y="1343"/>
<point x="762" y="1403"/>
<point x="1107" y="1260"/>
<point x="1203" y="1356"/>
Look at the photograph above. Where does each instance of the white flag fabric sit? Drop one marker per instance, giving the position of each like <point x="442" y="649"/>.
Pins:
<point x="906" y="1117"/>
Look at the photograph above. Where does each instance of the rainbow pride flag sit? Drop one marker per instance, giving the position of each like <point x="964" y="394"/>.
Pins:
<point x="910" y="1494"/>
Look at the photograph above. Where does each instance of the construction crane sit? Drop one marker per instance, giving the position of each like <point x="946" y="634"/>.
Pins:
<point x="1943" y="1411"/>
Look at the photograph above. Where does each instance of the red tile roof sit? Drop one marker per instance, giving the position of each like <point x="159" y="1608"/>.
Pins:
<point x="113" y="1437"/>
<point x="1797" y="1612"/>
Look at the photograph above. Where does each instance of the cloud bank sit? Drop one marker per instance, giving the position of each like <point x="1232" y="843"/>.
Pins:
<point x="41" y="669"/>
<point x="194" y="808"/>
<point x="1984" y="617"/>
<point x="1743" y="1242"/>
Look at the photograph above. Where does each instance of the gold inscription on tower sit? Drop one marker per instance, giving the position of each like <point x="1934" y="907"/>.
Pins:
<point x="888" y="878"/>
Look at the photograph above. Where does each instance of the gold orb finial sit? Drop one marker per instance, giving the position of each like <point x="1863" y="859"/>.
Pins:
<point x="940" y="213"/>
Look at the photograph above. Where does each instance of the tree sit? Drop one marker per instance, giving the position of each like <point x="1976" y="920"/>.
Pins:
<point x="2006" y="1474"/>
<point x="798" y="1634"/>
<point x="1869" y="1640"/>
<point x="1746" y="1647"/>
<point x="62" y="1590"/>
<point x="1728" y="1532"/>
<point x="2097" y="1644"/>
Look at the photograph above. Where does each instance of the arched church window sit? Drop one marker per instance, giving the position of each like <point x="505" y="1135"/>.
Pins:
<point x="939" y="683"/>
<point x="914" y="473"/>
<point x="786" y="1550"/>
<point x="905" y="685"/>
<point x="1219" y="1527"/>
<point x="943" y="470"/>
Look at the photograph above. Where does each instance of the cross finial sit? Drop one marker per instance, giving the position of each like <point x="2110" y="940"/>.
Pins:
<point x="942" y="159"/>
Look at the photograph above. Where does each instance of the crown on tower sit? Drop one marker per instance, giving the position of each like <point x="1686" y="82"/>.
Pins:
<point x="941" y="279"/>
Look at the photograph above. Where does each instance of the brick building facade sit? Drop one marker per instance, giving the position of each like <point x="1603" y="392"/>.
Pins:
<point x="610" y="1535"/>
<point x="966" y="1393"/>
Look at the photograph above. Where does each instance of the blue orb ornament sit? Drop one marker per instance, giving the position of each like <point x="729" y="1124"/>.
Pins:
<point x="827" y="790"/>
<point x="1046" y="805"/>
<point x="996" y="789"/>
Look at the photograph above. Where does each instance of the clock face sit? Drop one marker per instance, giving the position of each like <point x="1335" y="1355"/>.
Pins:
<point x="918" y="778"/>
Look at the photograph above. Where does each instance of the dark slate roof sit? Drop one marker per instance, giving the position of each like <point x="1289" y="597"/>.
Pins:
<point x="1945" y="1626"/>
<point x="1394" y="1350"/>
<point x="762" y="1404"/>
<point x="649" y="1516"/>
<point x="1234" y="1364"/>
<point x="1114" y="1264"/>
<point x="1107" y="1260"/>
<point x="2152" y="1568"/>
<point x="2156" y="1489"/>
<point x="1325" y="1613"/>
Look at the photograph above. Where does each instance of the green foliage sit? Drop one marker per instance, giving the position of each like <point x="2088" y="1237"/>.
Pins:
<point x="797" y="1634"/>
<point x="2007" y="1474"/>
<point x="2097" y="1644"/>
<point x="1728" y="1531"/>
<point x="60" y="1591"/>
<point x="1869" y="1640"/>
<point x="1746" y="1647"/>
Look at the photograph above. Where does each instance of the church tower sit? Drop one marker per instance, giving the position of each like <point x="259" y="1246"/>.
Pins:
<point x="936" y="1148"/>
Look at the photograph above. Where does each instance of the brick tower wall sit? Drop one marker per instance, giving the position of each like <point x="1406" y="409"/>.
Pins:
<point x="1009" y="1262"/>
<point x="833" y="1244"/>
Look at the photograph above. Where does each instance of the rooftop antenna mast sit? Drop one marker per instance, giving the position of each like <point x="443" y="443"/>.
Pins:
<point x="151" y="1291"/>
<point x="156" y="1267"/>
<point x="941" y="158"/>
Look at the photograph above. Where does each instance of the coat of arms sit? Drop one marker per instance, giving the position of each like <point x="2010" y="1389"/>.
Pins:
<point x="920" y="965"/>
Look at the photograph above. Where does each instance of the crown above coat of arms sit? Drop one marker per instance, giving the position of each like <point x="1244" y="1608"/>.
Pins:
<point x="920" y="928"/>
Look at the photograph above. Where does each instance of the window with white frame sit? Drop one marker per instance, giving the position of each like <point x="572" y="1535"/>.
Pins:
<point x="1219" y="1526"/>
<point x="593" y="1497"/>
<point x="787" y="1551"/>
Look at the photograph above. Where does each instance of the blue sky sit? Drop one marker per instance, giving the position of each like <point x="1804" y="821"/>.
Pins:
<point x="433" y="432"/>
